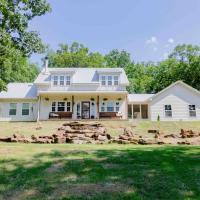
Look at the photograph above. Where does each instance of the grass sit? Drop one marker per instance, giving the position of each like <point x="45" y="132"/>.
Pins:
<point x="66" y="171"/>
<point x="33" y="171"/>
<point x="113" y="127"/>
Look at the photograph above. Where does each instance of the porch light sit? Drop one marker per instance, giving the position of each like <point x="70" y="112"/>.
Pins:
<point x="65" y="99"/>
<point x="119" y="99"/>
<point x="105" y="99"/>
<point x="92" y="99"/>
<point x="46" y="99"/>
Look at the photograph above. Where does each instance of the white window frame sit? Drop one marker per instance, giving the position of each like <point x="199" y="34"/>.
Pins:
<point x="169" y="111"/>
<point x="26" y="109"/>
<point x="194" y="111"/>
<point x="116" y="80"/>
<point x="55" y="80"/>
<point x="68" y="106"/>
<point x="62" y="81"/>
<point x="103" y="106"/>
<point x="53" y="105"/>
<point x="117" y="106"/>
<point x="110" y="80"/>
<point x="103" y="80"/>
<point x="15" y="105"/>
<point x="68" y="80"/>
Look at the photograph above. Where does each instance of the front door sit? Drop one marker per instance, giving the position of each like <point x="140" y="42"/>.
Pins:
<point x="85" y="110"/>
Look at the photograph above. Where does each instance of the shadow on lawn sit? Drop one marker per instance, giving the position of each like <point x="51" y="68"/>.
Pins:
<point x="136" y="173"/>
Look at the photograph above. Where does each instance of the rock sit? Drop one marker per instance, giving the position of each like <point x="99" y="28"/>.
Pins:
<point x="5" y="139"/>
<point x="170" y="136"/>
<point x="146" y="141"/>
<point x="16" y="135"/>
<point x="33" y="137"/>
<point x="59" y="140"/>
<point x="124" y="137"/>
<point x="153" y="131"/>
<point x="128" y="132"/>
<point x="102" y="138"/>
<point x="188" y="133"/>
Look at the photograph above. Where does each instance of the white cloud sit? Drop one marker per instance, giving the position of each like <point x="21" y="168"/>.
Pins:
<point x="152" y="40"/>
<point x="170" y="41"/>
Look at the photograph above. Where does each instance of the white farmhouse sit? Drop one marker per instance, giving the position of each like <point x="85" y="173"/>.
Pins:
<point x="94" y="93"/>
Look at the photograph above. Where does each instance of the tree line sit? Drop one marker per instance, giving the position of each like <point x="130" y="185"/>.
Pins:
<point x="17" y="44"/>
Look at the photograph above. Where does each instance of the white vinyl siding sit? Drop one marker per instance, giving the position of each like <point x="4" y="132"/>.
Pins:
<point x="179" y="97"/>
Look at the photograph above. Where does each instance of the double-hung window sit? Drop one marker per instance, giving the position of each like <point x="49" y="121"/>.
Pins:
<point x="13" y="109"/>
<point x="103" y="107"/>
<point x="68" y="80"/>
<point x="117" y="107"/>
<point x="25" y="109"/>
<point x="109" y="80"/>
<point x="103" y="80"/>
<point x="55" y="80"/>
<point x="116" y="80"/>
<point x="168" y="111"/>
<point x="110" y="106"/>
<point x="62" y="80"/>
<point x="68" y="106"/>
<point x="192" y="110"/>
<point x="61" y="106"/>
<point x="53" y="107"/>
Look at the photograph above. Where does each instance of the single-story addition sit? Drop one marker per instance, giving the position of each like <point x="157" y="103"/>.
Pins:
<point x="178" y="101"/>
<point x="94" y="93"/>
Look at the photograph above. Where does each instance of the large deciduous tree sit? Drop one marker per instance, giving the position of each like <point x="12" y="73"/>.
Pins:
<point x="14" y="18"/>
<point x="16" y="41"/>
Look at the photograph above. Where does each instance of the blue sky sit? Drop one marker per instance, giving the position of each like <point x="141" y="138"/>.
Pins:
<point x="148" y="29"/>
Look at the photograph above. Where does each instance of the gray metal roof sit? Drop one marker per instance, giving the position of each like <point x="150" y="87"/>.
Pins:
<point x="134" y="98"/>
<point x="19" y="91"/>
<point x="82" y="75"/>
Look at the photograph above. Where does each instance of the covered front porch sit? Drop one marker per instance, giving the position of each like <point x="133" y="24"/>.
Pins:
<point x="82" y="106"/>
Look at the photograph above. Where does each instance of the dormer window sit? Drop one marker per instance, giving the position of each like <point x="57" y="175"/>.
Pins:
<point x="103" y="80"/>
<point x="62" y="78"/>
<point x="68" y="80"/>
<point x="109" y="80"/>
<point x="55" y="80"/>
<point x="116" y="80"/>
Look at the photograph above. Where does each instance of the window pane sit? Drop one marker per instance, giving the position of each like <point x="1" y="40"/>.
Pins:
<point x="110" y="107"/>
<point x="103" y="80"/>
<point x="25" y="109"/>
<point x="109" y="80"/>
<point x="68" y="106"/>
<point x="192" y="110"/>
<point x="55" y="80"/>
<point x="61" y="80"/>
<point x="68" y="80"/>
<point x="116" y="82"/>
<point x="61" y="106"/>
<point x="13" y="109"/>
<point x="53" y="108"/>
<point x="168" y="111"/>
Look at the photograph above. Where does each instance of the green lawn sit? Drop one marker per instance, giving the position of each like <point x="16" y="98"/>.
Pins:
<point x="65" y="171"/>
<point x="114" y="127"/>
